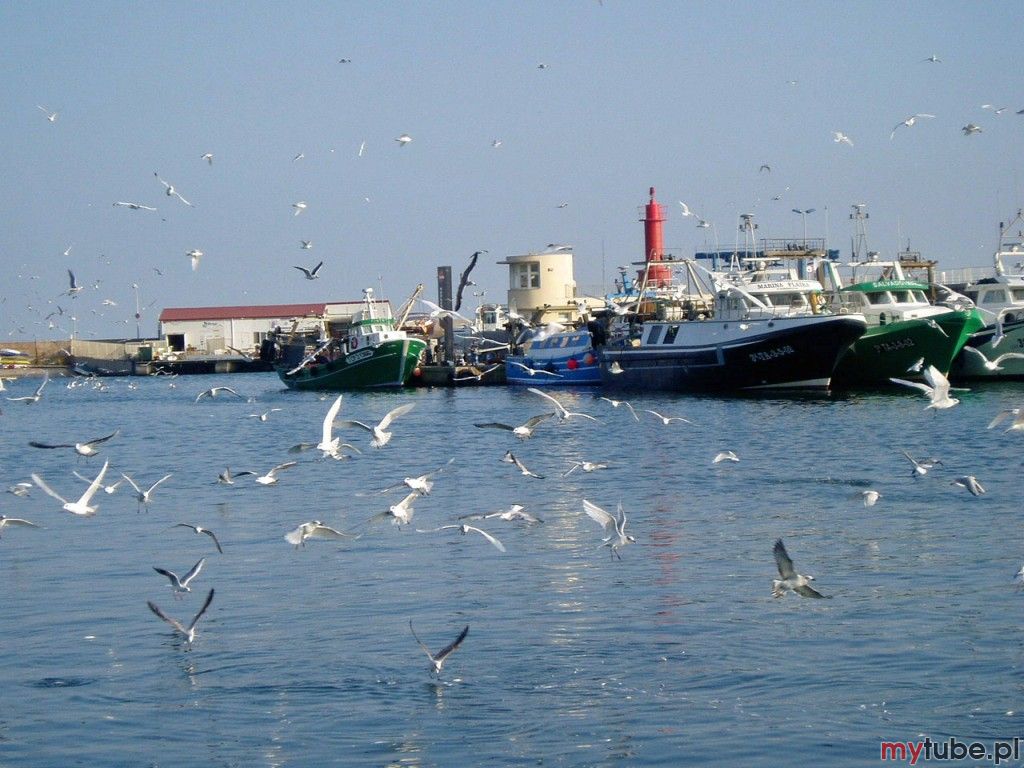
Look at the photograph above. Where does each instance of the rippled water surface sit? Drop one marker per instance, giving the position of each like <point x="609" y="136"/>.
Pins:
<point x="677" y="654"/>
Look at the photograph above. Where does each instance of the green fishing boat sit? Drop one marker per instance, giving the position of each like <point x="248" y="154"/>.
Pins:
<point x="373" y="354"/>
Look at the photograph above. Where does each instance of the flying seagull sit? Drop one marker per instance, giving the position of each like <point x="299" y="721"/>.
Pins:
<point x="311" y="274"/>
<point x="180" y="584"/>
<point x="381" y="437"/>
<point x="841" y="138"/>
<point x="1015" y="425"/>
<point x="466" y="529"/>
<point x="50" y="115"/>
<point x="725" y="456"/>
<point x="908" y="122"/>
<point x="422" y="483"/>
<point x="920" y="468"/>
<point x="614" y="526"/>
<point x="80" y="507"/>
<point x="73" y="287"/>
<point x="305" y="244"/>
<point x="197" y="529"/>
<point x="534" y="371"/>
<point x="271" y="477"/>
<point x="262" y="416"/>
<point x="299" y="207"/>
<point x="436" y="312"/>
<point x="86" y="448"/>
<point x="214" y="391"/>
<point x="464" y="279"/>
<point x="195" y="255"/>
<point x="791" y="581"/>
<point x="33" y="398"/>
<point x="438" y="659"/>
<point x="511" y="459"/>
<point x="685" y="209"/>
<point x="561" y="413"/>
<point x="16" y="521"/>
<point x="315" y="530"/>
<point x="617" y="403"/>
<point x="586" y="466"/>
<point x="971" y="128"/>
<point x="992" y="365"/>
<point x="404" y="139"/>
<point x="937" y="388"/>
<point x="869" y="497"/>
<point x="144" y="496"/>
<point x="523" y="431"/>
<point x="666" y="420"/>
<point x="515" y="512"/>
<point x="933" y="59"/>
<point x="227" y="477"/>
<point x="134" y="206"/>
<point x="170" y="191"/>
<point x="970" y="482"/>
<point x="208" y="157"/>
<point x="190" y="631"/>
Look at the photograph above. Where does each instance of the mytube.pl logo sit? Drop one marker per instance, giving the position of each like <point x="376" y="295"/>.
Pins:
<point x="911" y="752"/>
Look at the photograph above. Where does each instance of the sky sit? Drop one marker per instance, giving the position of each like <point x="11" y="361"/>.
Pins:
<point x="691" y="98"/>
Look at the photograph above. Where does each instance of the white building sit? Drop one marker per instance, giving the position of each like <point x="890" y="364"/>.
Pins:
<point x="543" y="283"/>
<point x="212" y="330"/>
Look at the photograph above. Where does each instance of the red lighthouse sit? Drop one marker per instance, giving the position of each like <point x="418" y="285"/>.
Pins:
<point x="658" y="275"/>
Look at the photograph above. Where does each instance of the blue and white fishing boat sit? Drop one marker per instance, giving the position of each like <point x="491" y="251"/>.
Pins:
<point x="555" y="358"/>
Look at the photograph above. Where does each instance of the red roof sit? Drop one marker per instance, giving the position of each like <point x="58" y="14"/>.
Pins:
<point x="238" y="313"/>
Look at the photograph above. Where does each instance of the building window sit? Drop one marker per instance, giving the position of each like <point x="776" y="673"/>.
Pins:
<point x="526" y="275"/>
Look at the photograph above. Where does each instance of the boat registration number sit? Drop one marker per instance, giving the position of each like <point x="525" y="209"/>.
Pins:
<point x="358" y="357"/>
<point x="894" y="346"/>
<point x="771" y="354"/>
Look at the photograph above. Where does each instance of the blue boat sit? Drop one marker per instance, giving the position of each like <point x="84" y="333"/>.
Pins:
<point x="557" y="359"/>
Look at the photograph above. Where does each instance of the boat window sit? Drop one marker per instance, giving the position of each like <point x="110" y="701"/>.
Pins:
<point x="879" y="297"/>
<point x="764" y="298"/>
<point x="903" y="297"/>
<point x="788" y="300"/>
<point x="1017" y="293"/>
<point x="565" y="341"/>
<point x="652" y="337"/>
<point x="994" y="297"/>
<point x="670" y="334"/>
<point x="919" y="297"/>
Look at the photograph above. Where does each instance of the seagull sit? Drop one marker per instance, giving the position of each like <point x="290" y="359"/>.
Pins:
<point x="190" y="631"/>
<point x="80" y="507"/>
<point x="1019" y="577"/>
<point x="299" y="207"/>
<point x="227" y="477"/>
<point x="404" y="139"/>
<point x="666" y="420"/>
<point x="908" y="123"/>
<point x="271" y="477"/>
<point x="315" y="530"/>
<point x="51" y="116"/>
<point x="180" y="585"/>
<point x="933" y="59"/>
<point x="916" y="366"/>
<point x="542" y="65"/>
<point x="362" y="149"/>
<point x="5" y="521"/>
<point x="992" y="365"/>
<point x="464" y="278"/>
<point x="262" y="416"/>
<point x="422" y="483"/>
<point x="686" y="209"/>
<point x="841" y="138"/>
<point x="20" y="489"/>
<point x="170" y="191"/>
<point x="765" y="167"/>
<point x="400" y="513"/>
<point x="515" y="512"/>
<point x="33" y="398"/>
<point x="496" y="143"/>
<point x="144" y="496"/>
<point x="586" y="466"/>
<point x="436" y="311"/>
<point x="725" y="456"/>
<point x="208" y="157"/>
<point x="523" y="431"/>
<point x="921" y="468"/>
<point x="437" y="660"/>
<point x="617" y="403"/>
<point x="195" y="254"/>
<point x="869" y="497"/>
<point x="1016" y="425"/>
<point x="380" y="436"/>
<point x="970" y="482"/>
<point x="134" y="206"/>
<point x="937" y="388"/>
<point x="511" y="459"/>
<point x="615" y="368"/>
<point x="534" y="371"/>
<point x="561" y="413"/>
<point x="214" y="391"/>
<point x="329" y="444"/>
<point x="74" y="288"/>
<point x="791" y="581"/>
<point x="86" y="448"/>
<point x="311" y="274"/>
<point x="701" y="224"/>
<point x="299" y="156"/>
<point x="613" y="525"/>
<point x="305" y="244"/>
<point x="197" y="529"/>
<point x="466" y="529"/>
<point x="476" y="374"/>
<point x="971" y="128"/>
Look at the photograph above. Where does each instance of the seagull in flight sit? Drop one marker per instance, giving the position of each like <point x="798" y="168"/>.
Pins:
<point x="227" y="477"/>
<point x="271" y="477"/>
<point x="841" y="138"/>
<point x="869" y="497"/>
<point x="311" y="274"/>
<point x="299" y="207"/>
<point x="170" y="191"/>
<point x="74" y="288"/>
<point x="50" y="115"/>
<point x="666" y="420"/>
<point x="438" y="659"/>
<point x="933" y="59"/>
<point x="197" y="529"/>
<point x="381" y="437"/>
<point x="262" y="416"/>
<point x="421" y="484"/>
<point x="586" y="466"/>
<point x="561" y="413"/>
<point x="33" y="398"/>
<point x="686" y="209"/>
<point x="523" y="431"/>
<point x="617" y="403"/>
<point x="515" y="512"/>
<point x="436" y="312"/>
<point x="144" y="496"/>
<point x="534" y="371"/>
<point x="306" y="244"/>
<point x="511" y="459"/>
<point x="86" y="448"/>
<point x="190" y="631"/>
<point x="971" y="128"/>
<point x="80" y="507"/>
<point x="315" y="530"/>
<point x="992" y="365"/>
<point x="194" y="255"/>
<point x="970" y="482"/>
<point x="466" y="529"/>
<point x="908" y="122"/>
<point x="208" y="157"/>
<point x="134" y="206"/>
<point x="404" y="139"/>
<point x="791" y="581"/>
<point x="725" y="456"/>
<point x="937" y="388"/>
<point x="920" y="468"/>
<point x="180" y="585"/>
<point x="16" y="521"/>
<point x="214" y="391"/>
<point x="613" y="525"/>
<point x="1018" y="421"/>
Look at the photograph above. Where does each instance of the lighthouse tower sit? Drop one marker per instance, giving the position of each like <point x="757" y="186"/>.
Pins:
<point x="658" y="275"/>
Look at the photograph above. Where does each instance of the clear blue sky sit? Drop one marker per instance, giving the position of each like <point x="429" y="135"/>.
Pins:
<point x="690" y="98"/>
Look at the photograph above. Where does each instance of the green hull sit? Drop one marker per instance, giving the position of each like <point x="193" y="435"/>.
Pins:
<point x="889" y="351"/>
<point x="390" y="364"/>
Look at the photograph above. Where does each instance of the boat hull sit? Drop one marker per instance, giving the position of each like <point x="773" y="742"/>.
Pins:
<point x="970" y="366"/>
<point x="561" y="359"/>
<point x="891" y="350"/>
<point x="785" y="355"/>
<point x="390" y="364"/>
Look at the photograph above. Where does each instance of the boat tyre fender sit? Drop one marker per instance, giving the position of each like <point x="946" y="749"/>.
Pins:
<point x="354" y="343"/>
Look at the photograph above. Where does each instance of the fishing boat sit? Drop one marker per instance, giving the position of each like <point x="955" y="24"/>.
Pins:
<point x="999" y="298"/>
<point x="555" y="357"/>
<point x="373" y="353"/>
<point x="14" y="358"/>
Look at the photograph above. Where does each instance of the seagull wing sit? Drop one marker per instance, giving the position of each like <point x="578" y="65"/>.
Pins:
<point x="915" y="384"/>
<point x="94" y="485"/>
<point x="464" y="279"/>
<point x="213" y="536"/>
<point x="602" y="517"/>
<point x="322" y="531"/>
<point x="1001" y="416"/>
<point x="558" y="405"/>
<point x="154" y="485"/>
<point x="171" y="575"/>
<point x="940" y="384"/>
<point x="47" y="489"/>
<point x="420" y="642"/>
<point x="332" y="414"/>
<point x="486" y="535"/>
<point x="1005" y="356"/>
<point x="782" y="561"/>
<point x="295" y="537"/>
<point x="34" y="444"/>
<point x="393" y="414"/>
<point x="315" y="269"/>
<point x="99" y="440"/>
<point x="353" y="423"/>
<point x="198" y="616"/>
<point x="533" y="422"/>
<point x="494" y="425"/>
<point x="131" y="483"/>
<point x="193" y="572"/>
<point x="808" y="591"/>
<point x="305" y="271"/>
<point x="173" y="622"/>
<point x="451" y="647"/>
